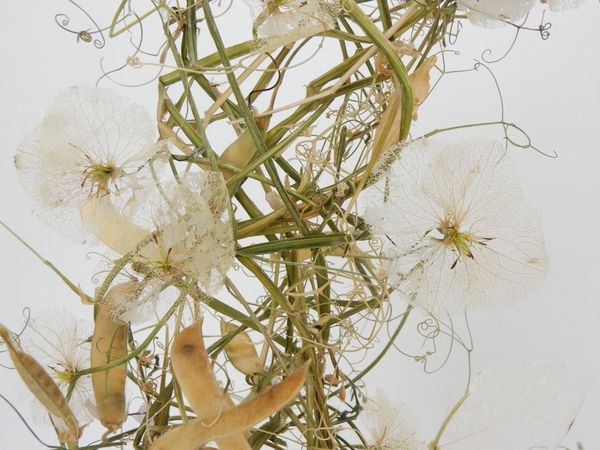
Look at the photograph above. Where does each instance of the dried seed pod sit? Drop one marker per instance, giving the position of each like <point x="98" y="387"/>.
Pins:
<point x="197" y="380"/>
<point x="43" y="387"/>
<point x="241" y="351"/>
<point x="242" y="151"/>
<point x="234" y="421"/>
<point x="109" y="343"/>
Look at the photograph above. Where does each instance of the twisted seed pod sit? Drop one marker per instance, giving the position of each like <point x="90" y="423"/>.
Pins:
<point x="43" y="387"/>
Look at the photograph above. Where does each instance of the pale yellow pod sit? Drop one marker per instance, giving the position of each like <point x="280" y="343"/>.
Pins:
<point x="109" y="343"/>
<point x="241" y="351"/>
<point x="43" y="387"/>
<point x="196" y="378"/>
<point x="112" y="228"/>
<point x="242" y="151"/>
<point x="195" y="433"/>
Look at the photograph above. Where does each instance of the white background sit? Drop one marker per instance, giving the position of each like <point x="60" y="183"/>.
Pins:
<point x="550" y="88"/>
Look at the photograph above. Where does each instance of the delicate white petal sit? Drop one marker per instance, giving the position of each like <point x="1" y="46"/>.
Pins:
<point x="459" y="233"/>
<point x="57" y="340"/>
<point x="493" y="13"/>
<point x="521" y="404"/>
<point x="194" y="237"/>
<point x="282" y="22"/>
<point x="92" y="143"/>
<point x="391" y="425"/>
<point x="564" y="5"/>
<point x="192" y="240"/>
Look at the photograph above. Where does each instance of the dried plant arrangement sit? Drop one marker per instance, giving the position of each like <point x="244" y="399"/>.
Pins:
<point x="246" y="288"/>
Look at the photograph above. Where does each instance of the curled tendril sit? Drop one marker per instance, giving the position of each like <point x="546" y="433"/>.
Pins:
<point x="452" y="34"/>
<point x="134" y="61"/>
<point x="429" y="328"/>
<point x="489" y="51"/>
<point x="257" y="91"/>
<point x="63" y="21"/>
<point x="544" y="27"/>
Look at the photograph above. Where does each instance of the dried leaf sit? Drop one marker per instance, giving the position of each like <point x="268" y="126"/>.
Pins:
<point x="419" y="82"/>
<point x="388" y="131"/>
<point x="241" y="351"/>
<point x="43" y="387"/>
<point x="198" y="431"/>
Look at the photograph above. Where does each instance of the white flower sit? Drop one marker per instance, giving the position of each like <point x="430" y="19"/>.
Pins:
<point x="57" y="340"/>
<point x="563" y="5"/>
<point x="282" y="22"/>
<point x="193" y="235"/>
<point x="493" y="13"/>
<point x="192" y="238"/>
<point x="391" y="425"/>
<point x="518" y="404"/>
<point x="93" y="143"/>
<point x="459" y="233"/>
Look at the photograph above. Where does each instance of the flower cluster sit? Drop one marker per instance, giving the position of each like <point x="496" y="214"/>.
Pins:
<point x="445" y="227"/>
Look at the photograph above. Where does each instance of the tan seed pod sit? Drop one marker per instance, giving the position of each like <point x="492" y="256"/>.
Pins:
<point x="109" y="343"/>
<point x="241" y="351"/>
<point x="247" y="414"/>
<point x="196" y="378"/>
<point x="242" y="151"/>
<point x="43" y="387"/>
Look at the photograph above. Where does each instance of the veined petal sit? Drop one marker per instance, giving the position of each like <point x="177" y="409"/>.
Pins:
<point x="459" y="233"/>
<point x="92" y="143"/>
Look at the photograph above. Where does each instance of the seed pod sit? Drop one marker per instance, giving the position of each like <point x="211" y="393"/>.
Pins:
<point x="241" y="351"/>
<point x="109" y="343"/>
<point x="117" y="232"/>
<point x="242" y="151"/>
<point x="199" y="431"/>
<point x="197" y="381"/>
<point x="43" y="387"/>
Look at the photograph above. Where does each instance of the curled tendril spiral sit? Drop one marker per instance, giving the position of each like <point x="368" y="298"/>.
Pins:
<point x="63" y="21"/>
<point x="544" y="27"/>
<point x="429" y="328"/>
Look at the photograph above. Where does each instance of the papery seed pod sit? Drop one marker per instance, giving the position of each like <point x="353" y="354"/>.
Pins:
<point x="43" y="387"/>
<point x="197" y="380"/>
<point x="241" y="351"/>
<point x="234" y="421"/>
<point x="109" y="343"/>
